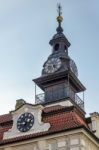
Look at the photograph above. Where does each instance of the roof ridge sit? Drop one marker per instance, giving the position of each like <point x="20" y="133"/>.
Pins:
<point x="78" y="119"/>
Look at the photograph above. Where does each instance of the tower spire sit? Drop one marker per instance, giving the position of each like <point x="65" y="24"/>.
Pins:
<point x="59" y="18"/>
<point x="59" y="38"/>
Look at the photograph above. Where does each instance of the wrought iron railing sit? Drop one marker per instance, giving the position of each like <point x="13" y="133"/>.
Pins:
<point x="61" y="94"/>
<point x="79" y="101"/>
<point x="40" y="98"/>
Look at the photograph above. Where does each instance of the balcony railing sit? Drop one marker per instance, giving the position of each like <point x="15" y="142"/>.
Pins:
<point x="61" y="94"/>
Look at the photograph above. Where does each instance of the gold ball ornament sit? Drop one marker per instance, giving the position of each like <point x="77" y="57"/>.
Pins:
<point x="59" y="18"/>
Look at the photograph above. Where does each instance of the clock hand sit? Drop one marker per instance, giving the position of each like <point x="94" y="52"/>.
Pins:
<point x="28" y="120"/>
<point x="23" y="123"/>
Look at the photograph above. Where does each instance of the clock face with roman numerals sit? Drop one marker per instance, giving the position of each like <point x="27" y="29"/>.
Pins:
<point x="52" y="65"/>
<point x="25" y="122"/>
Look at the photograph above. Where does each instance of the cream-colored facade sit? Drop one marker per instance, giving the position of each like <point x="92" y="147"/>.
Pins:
<point x="95" y="123"/>
<point x="73" y="140"/>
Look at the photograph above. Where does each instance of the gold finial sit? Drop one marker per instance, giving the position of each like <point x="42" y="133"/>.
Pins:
<point x="59" y="19"/>
<point x="59" y="10"/>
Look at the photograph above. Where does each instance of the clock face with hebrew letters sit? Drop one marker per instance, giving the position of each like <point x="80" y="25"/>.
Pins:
<point x="25" y="122"/>
<point x="52" y="65"/>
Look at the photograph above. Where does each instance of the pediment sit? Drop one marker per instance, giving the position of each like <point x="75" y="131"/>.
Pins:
<point x="38" y="125"/>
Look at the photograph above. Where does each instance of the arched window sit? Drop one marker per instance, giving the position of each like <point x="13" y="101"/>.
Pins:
<point x="56" y="48"/>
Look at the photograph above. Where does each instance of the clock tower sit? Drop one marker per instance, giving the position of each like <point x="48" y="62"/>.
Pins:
<point x="57" y="121"/>
<point x="59" y="78"/>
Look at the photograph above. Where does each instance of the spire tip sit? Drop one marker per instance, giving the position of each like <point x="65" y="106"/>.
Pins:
<point x="59" y="18"/>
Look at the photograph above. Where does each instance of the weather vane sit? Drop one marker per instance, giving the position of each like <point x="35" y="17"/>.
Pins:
<point x="59" y="9"/>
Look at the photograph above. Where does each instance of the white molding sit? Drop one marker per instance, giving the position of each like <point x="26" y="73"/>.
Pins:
<point x="38" y="125"/>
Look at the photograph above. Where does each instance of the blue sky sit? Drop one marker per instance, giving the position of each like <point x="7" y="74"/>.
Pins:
<point x="26" y="26"/>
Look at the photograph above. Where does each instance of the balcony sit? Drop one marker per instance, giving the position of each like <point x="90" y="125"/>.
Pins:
<point x="57" y="95"/>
